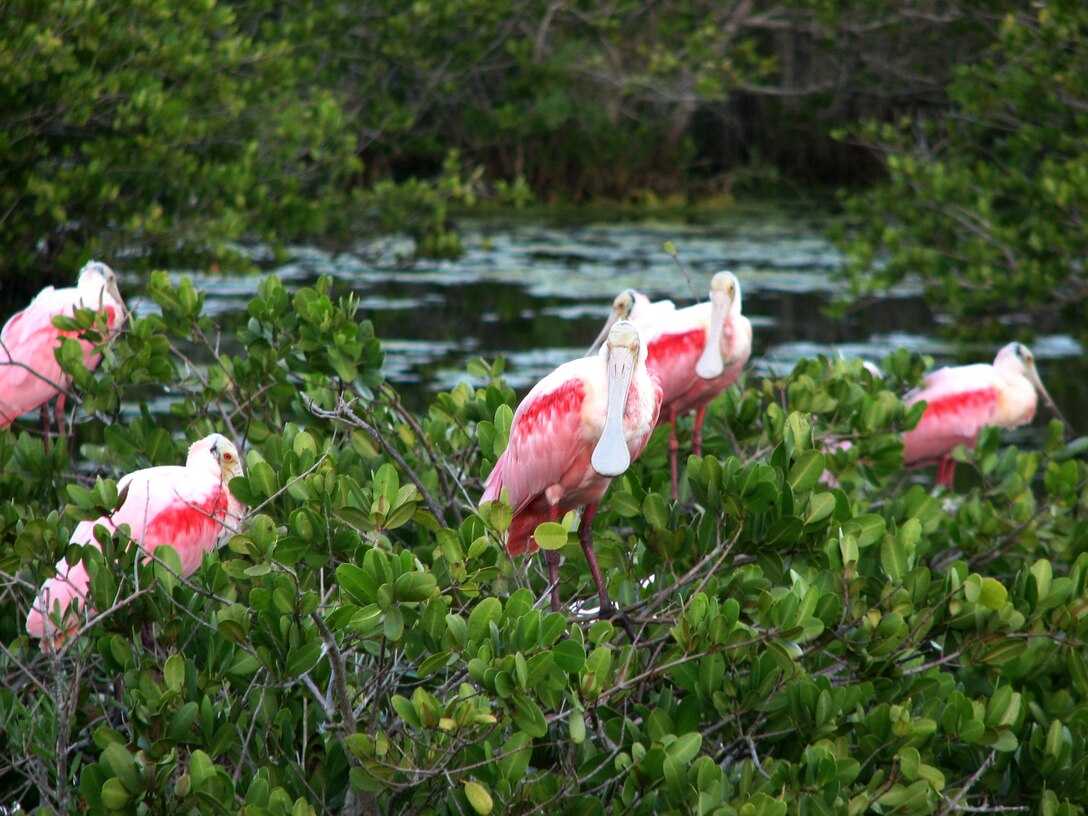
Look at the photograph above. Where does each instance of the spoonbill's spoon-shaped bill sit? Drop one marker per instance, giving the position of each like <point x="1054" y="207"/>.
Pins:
<point x="575" y="430"/>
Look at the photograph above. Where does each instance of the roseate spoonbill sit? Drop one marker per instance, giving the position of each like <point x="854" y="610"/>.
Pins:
<point x="576" y="430"/>
<point x="636" y="307"/>
<point x="961" y="400"/>
<point x="189" y="508"/>
<point x="698" y="352"/>
<point x="29" y="372"/>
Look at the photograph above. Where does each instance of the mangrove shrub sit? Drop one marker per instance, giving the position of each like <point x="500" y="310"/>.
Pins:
<point x="818" y="631"/>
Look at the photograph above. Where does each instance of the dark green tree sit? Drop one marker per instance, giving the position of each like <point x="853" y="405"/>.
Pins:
<point x="152" y="127"/>
<point x="985" y="203"/>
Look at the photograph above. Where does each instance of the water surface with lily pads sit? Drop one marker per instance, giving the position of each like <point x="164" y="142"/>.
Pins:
<point x="538" y="292"/>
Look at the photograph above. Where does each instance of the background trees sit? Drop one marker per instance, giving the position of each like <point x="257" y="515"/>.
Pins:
<point x="364" y="644"/>
<point x="986" y="203"/>
<point x="168" y="133"/>
<point x="157" y="130"/>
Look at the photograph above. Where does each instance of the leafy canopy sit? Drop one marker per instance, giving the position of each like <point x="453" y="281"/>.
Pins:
<point x="818" y="632"/>
<point x="985" y="203"/>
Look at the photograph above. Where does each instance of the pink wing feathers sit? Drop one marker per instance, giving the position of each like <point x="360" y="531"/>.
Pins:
<point x="960" y="402"/>
<point x="545" y="429"/>
<point x="545" y="441"/>
<point x="163" y="505"/>
<point x="672" y="356"/>
<point x="735" y="352"/>
<point x="29" y="340"/>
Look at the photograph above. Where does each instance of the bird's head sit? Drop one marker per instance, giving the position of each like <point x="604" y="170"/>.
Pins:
<point x="724" y="299"/>
<point x="216" y="454"/>
<point x="623" y="306"/>
<point x="724" y="286"/>
<point x="1018" y="359"/>
<point x="98" y="282"/>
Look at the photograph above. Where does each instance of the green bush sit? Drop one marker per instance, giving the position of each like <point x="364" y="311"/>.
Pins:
<point x="365" y="645"/>
<point x="985" y="204"/>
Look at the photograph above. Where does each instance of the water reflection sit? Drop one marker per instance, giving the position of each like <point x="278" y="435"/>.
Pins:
<point x="538" y="293"/>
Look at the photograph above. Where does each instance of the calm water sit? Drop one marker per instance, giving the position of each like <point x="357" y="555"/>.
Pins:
<point x="538" y="293"/>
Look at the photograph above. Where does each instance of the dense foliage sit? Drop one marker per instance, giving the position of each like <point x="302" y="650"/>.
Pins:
<point x="986" y="204"/>
<point x="169" y="130"/>
<point x="818" y="631"/>
<point x="149" y="125"/>
<point x="165" y="130"/>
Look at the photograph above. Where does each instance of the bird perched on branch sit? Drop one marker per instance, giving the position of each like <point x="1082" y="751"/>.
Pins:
<point x="576" y="430"/>
<point x="962" y="400"/>
<point x="30" y="375"/>
<point x="189" y="508"/>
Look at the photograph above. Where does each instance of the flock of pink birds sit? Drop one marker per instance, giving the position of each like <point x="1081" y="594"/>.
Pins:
<point x="577" y="429"/>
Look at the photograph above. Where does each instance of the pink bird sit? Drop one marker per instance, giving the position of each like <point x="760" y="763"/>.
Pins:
<point x="698" y="352"/>
<point x="962" y="400"/>
<point x="30" y="375"/>
<point x="187" y="507"/>
<point x="576" y="430"/>
<point x="636" y="307"/>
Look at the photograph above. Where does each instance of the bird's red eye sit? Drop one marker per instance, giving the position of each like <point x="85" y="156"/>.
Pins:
<point x="228" y="456"/>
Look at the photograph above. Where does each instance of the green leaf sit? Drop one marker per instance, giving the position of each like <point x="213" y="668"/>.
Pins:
<point x="478" y="797"/>
<point x="820" y="506"/>
<point x="262" y="480"/>
<point x="624" y="504"/>
<point x="992" y="593"/>
<point x="407" y="711"/>
<point x="487" y="611"/>
<point x="550" y="535"/>
<point x="798" y="435"/>
<point x="576" y="727"/>
<point x="806" y="471"/>
<point x="783" y="532"/>
<point x="870" y="529"/>
<point x="570" y="656"/>
<point x="201" y="769"/>
<point x="393" y="624"/>
<point x="357" y="583"/>
<point x="655" y="511"/>
<point x="303" y="658"/>
<point x="528" y="716"/>
<point x="893" y="558"/>
<point x="173" y="672"/>
<point x="685" y="748"/>
<point x="123" y="765"/>
<point x="414" y="586"/>
<point x="114" y="795"/>
<point x="516" y="754"/>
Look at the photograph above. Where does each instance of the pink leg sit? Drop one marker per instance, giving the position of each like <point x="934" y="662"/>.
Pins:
<point x="58" y="412"/>
<point x="585" y="536"/>
<point x="674" y="448"/>
<point x="46" y="437"/>
<point x="946" y="471"/>
<point x="697" y="432"/>
<point x="551" y="557"/>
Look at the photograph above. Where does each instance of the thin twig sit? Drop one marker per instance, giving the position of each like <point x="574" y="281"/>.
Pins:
<point x="343" y="410"/>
